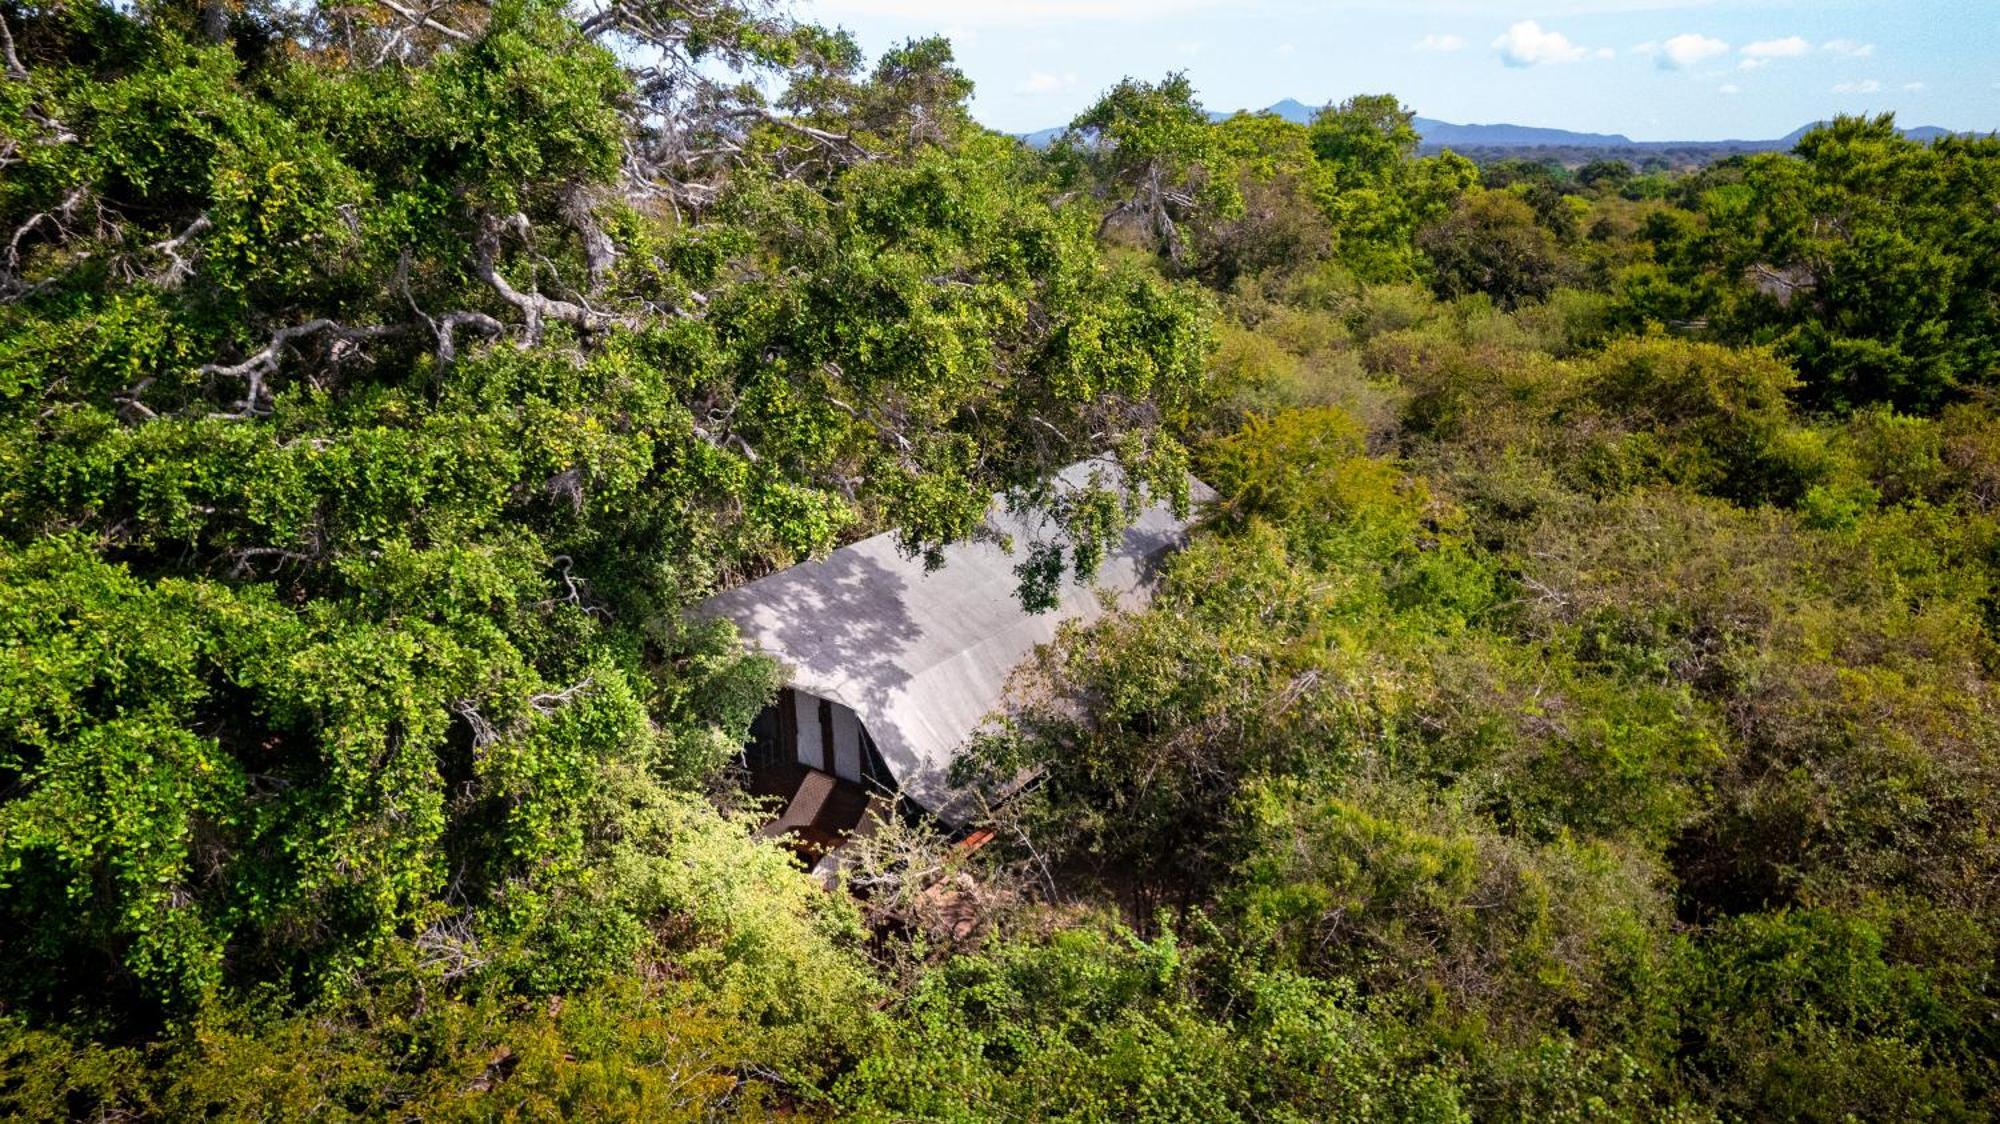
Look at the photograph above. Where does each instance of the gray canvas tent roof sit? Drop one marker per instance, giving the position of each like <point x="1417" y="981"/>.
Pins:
<point x="923" y="658"/>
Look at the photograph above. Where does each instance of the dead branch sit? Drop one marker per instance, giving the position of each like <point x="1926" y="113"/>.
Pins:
<point x="59" y="133"/>
<point x="425" y="20"/>
<point x="179" y="268"/>
<point x="688" y="116"/>
<point x="736" y="441"/>
<point x="548" y="703"/>
<point x="56" y="219"/>
<point x="131" y="405"/>
<point x="1042" y="866"/>
<point x="839" y="144"/>
<point x="600" y="253"/>
<point x="448" y="325"/>
<point x="579" y="591"/>
<point x="247" y="558"/>
<point x="567" y="485"/>
<point x="533" y="306"/>
<point x="719" y="420"/>
<point x="444" y="329"/>
<point x="569" y="579"/>
<point x="264" y="362"/>
<point x="15" y="70"/>
<point x="451" y="947"/>
<point x="483" y="731"/>
<point x="33" y="223"/>
<point x="666" y="27"/>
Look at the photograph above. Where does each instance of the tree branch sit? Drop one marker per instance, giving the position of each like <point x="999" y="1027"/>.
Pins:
<point x="534" y="307"/>
<point x="600" y="253"/>
<point x="547" y="704"/>
<point x="483" y="731"/>
<point x="15" y="70"/>
<point x="59" y="133"/>
<point x="444" y="329"/>
<point x="132" y="404"/>
<point x="179" y="268"/>
<point x="264" y="362"/>
<point x="424" y="20"/>
<point x="247" y="557"/>
<point x="57" y="218"/>
<point x="842" y="144"/>
<point x="448" y="325"/>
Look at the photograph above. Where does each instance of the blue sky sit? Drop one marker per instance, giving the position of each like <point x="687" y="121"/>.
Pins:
<point x="1651" y="69"/>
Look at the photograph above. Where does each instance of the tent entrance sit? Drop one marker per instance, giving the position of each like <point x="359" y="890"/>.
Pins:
<point x="802" y="730"/>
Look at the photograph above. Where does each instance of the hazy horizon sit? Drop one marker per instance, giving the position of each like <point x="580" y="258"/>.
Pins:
<point x="1652" y="70"/>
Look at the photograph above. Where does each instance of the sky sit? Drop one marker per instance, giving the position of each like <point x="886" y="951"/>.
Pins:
<point x="1650" y="69"/>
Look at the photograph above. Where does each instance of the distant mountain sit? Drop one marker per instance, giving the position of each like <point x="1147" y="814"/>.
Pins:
<point x="1042" y="138"/>
<point x="1291" y="109"/>
<point x="1444" y="134"/>
<point x="1440" y="133"/>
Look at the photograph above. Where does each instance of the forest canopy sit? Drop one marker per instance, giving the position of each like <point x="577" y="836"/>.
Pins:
<point x="1580" y="700"/>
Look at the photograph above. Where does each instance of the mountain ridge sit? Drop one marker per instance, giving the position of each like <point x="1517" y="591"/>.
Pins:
<point x="1445" y="134"/>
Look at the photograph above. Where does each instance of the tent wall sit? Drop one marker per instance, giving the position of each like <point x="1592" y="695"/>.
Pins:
<point x="923" y="656"/>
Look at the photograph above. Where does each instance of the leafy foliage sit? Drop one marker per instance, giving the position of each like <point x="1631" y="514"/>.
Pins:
<point x="379" y="391"/>
<point x="1579" y="701"/>
<point x="1867" y="257"/>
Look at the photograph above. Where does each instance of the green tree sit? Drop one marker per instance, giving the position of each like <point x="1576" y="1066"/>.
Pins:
<point x="1153" y="151"/>
<point x="1867" y="257"/>
<point x="1608" y="175"/>
<point x="380" y="386"/>
<point x="1491" y="243"/>
<point x="1283" y="230"/>
<point x="1365" y="141"/>
<point x="1380" y="191"/>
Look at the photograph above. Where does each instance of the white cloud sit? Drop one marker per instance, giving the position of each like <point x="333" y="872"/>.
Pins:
<point x="1527" y="44"/>
<point x="1729" y="89"/>
<point x="1041" y="84"/>
<point x="1441" y="43"/>
<point x="1647" y="50"/>
<point x="1790" y="47"/>
<point x="1684" y="51"/>
<point x="1915" y="87"/>
<point x="1870" y="86"/>
<point x="1848" y="48"/>
<point x="1287" y="50"/>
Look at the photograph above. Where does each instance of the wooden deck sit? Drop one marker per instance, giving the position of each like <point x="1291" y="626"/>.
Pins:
<point x="828" y="825"/>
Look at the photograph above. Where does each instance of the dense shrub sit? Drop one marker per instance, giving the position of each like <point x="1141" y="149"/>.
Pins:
<point x="1578" y="703"/>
